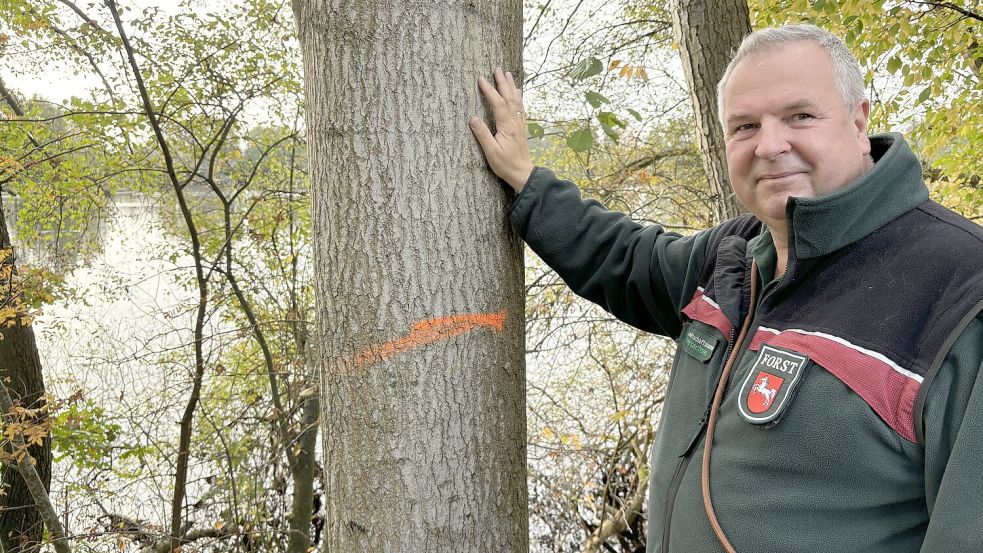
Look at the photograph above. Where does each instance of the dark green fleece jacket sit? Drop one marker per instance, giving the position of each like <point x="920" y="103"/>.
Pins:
<point x="853" y="417"/>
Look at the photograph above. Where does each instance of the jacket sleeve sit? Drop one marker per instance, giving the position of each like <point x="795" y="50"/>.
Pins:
<point x="642" y="275"/>
<point x="953" y="454"/>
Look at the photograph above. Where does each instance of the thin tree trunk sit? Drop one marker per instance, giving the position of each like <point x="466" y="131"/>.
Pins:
<point x="418" y="278"/>
<point x="187" y="419"/>
<point x="303" y="472"/>
<point x="20" y="370"/>
<point x="708" y="32"/>
<point x="25" y="466"/>
<point x="306" y="469"/>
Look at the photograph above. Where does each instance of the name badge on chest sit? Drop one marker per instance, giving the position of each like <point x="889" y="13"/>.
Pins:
<point x="770" y="384"/>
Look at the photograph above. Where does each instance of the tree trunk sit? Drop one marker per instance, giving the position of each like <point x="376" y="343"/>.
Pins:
<point x="20" y="370"/>
<point x="708" y="32"/>
<point x="302" y="473"/>
<point x="418" y="278"/>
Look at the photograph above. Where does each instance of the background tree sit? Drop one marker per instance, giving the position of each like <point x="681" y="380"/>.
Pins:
<point x="418" y="278"/>
<point x="708" y="32"/>
<point x="239" y="189"/>
<point x="20" y="372"/>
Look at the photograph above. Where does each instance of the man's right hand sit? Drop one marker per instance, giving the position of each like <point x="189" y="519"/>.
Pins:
<point x="506" y="150"/>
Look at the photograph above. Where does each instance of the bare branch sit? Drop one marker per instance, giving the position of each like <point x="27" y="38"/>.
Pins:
<point x="78" y="49"/>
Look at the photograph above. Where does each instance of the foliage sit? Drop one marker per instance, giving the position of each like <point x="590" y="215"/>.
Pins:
<point x="30" y="425"/>
<point x="607" y="60"/>
<point x="94" y="441"/>
<point x="225" y="87"/>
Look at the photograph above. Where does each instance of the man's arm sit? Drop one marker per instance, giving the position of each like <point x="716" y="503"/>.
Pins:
<point x="641" y="274"/>
<point x="953" y="451"/>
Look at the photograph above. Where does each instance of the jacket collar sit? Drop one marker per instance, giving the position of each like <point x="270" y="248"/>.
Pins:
<point x="821" y="225"/>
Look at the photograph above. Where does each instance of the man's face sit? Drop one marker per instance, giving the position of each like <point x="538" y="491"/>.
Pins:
<point x="788" y="133"/>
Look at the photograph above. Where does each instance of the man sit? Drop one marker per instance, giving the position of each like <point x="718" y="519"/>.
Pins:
<point x="826" y="395"/>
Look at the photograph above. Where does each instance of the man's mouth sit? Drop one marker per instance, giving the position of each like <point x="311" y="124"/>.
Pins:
<point x="776" y="176"/>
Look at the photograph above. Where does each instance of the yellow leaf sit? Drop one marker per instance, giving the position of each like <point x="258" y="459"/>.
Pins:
<point x="614" y="64"/>
<point x="619" y="415"/>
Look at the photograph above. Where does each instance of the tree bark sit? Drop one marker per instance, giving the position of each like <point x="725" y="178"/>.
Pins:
<point x="20" y="370"/>
<point x="708" y="32"/>
<point x="418" y="278"/>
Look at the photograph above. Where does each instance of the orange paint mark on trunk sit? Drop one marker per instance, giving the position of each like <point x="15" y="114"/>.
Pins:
<point x="428" y="332"/>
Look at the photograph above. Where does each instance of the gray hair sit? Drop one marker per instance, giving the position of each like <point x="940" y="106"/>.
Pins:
<point x="847" y="76"/>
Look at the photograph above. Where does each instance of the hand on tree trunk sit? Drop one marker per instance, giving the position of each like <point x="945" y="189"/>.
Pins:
<point x="506" y="151"/>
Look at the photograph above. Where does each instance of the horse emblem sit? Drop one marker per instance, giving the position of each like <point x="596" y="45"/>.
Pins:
<point x="767" y="394"/>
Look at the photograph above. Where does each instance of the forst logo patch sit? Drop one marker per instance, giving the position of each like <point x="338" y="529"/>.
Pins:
<point x="770" y="384"/>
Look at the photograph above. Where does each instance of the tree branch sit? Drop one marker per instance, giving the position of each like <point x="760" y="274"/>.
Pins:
<point x="81" y="14"/>
<point x="80" y="50"/>
<point x="15" y="106"/>
<point x="950" y="6"/>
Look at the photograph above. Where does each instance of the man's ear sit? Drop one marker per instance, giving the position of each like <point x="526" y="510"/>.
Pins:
<point x="861" y="115"/>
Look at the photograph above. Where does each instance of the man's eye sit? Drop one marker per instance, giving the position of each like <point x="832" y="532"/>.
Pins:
<point x="802" y="116"/>
<point x="744" y="127"/>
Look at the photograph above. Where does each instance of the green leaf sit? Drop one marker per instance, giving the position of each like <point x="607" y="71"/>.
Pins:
<point x="586" y="69"/>
<point x="925" y="95"/>
<point x="893" y="65"/>
<point x="580" y="140"/>
<point x="609" y="119"/>
<point x="635" y="114"/>
<point x="535" y="130"/>
<point x="608" y="122"/>
<point x="595" y="99"/>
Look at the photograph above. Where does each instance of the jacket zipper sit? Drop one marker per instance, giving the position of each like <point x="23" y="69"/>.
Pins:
<point x="686" y="456"/>
<point x="684" y="459"/>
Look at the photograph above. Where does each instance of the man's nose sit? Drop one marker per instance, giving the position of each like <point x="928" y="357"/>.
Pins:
<point x="772" y="140"/>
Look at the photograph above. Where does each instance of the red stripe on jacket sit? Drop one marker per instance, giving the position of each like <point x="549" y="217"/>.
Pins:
<point x="705" y="310"/>
<point x="886" y="387"/>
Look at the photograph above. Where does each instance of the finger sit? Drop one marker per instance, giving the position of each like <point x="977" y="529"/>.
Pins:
<point x="485" y="138"/>
<point x="504" y="88"/>
<point x="499" y="109"/>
